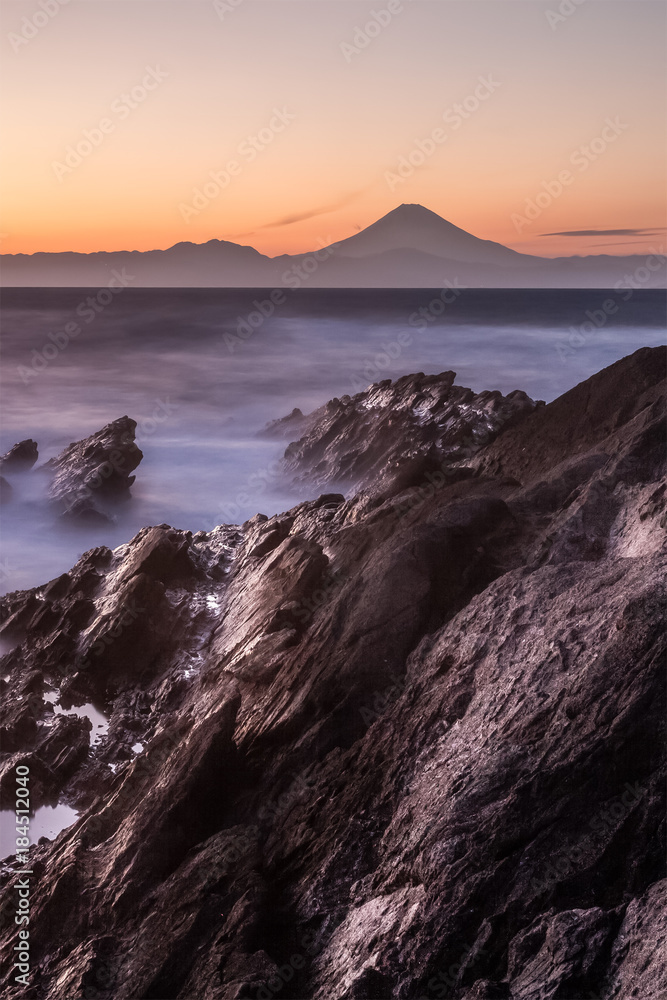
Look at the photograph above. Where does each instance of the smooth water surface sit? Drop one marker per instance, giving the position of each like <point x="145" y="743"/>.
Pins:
<point x="202" y="371"/>
<point x="47" y="821"/>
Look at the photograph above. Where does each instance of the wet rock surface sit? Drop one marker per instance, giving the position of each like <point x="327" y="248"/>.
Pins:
<point x="394" y="433"/>
<point x="405" y="745"/>
<point x="87" y="479"/>
<point x="89" y="474"/>
<point x="20" y="458"/>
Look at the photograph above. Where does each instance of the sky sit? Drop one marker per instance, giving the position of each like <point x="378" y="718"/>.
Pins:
<point x="288" y="124"/>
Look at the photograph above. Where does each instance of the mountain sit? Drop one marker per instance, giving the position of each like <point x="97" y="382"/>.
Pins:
<point x="410" y="247"/>
<point x="186" y="265"/>
<point x="413" y="227"/>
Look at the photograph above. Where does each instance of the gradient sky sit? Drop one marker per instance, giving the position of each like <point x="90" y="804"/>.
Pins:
<point x="354" y="118"/>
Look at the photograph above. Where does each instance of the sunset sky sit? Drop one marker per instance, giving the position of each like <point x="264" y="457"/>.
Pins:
<point x="157" y="94"/>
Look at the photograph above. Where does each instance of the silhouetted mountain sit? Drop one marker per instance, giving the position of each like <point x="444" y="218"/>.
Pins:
<point x="410" y="247"/>
<point x="413" y="227"/>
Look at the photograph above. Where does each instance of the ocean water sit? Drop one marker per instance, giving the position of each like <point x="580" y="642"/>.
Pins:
<point x="203" y="370"/>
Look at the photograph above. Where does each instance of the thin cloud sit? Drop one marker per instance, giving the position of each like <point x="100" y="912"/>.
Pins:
<point x="605" y="232"/>
<point x="290" y="220"/>
<point x="620" y="243"/>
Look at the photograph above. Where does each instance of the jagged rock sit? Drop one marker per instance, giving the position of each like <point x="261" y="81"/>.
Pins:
<point x="394" y="433"/>
<point x="162" y="553"/>
<point x="20" y="458"/>
<point x="404" y="745"/>
<point x="291" y="426"/>
<point x="53" y="752"/>
<point x="90" y="473"/>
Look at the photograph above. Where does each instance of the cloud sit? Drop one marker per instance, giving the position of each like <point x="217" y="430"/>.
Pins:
<point x="619" y="243"/>
<point x="290" y="220"/>
<point x="605" y="232"/>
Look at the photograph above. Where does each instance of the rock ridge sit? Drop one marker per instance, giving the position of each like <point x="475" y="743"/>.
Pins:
<point x="401" y="745"/>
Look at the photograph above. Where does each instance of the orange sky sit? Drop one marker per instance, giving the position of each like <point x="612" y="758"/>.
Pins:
<point x="159" y="94"/>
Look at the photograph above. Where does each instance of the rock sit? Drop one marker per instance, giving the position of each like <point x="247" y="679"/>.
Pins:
<point x="90" y="474"/>
<point x="287" y="427"/>
<point x="395" y="433"/>
<point x="581" y="418"/>
<point x="162" y="553"/>
<point x="6" y="491"/>
<point x="57" y="751"/>
<point x="20" y="458"/>
<point x="408" y="744"/>
<point x="638" y="964"/>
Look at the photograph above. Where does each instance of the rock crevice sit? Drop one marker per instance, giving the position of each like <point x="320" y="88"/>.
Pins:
<point x="404" y="745"/>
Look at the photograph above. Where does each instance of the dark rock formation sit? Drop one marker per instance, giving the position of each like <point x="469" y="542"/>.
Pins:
<point x="406" y="745"/>
<point x="289" y="427"/>
<point x="90" y="473"/>
<point x="394" y="433"/>
<point x="20" y="458"/>
<point x="6" y="491"/>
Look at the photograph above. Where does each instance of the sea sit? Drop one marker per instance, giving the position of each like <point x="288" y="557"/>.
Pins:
<point x="203" y="371"/>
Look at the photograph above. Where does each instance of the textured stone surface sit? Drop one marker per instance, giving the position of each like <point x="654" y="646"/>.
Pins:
<point x="20" y="458"/>
<point x="404" y="745"/>
<point x="394" y="433"/>
<point x="90" y="473"/>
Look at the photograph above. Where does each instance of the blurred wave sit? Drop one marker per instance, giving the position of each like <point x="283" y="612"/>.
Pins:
<point x="203" y="370"/>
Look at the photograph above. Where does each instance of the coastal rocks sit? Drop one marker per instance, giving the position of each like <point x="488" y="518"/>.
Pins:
<point x="628" y="393"/>
<point x="396" y="432"/>
<point x="87" y="479"/>
<point x="406" y="745"/>
<point x="20" y="458"/>
<point x="17" y="460"/>
<point x="90" y="474"/>
<point x="53" y="753"/>
<point x="638" y="964"/>
<point x="290" y="427"/>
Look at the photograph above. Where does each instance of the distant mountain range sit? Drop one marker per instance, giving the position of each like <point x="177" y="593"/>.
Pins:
<point x="410" y="247"/>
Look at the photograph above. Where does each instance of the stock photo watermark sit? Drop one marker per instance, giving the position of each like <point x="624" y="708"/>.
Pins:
<point x="444" y="980"/>
<point x="128" y="616"/>
<point x="33" y="24"/>
<point x="364" y="34"/>
<point x="255" y="486"/>
<point x="565" y="9"/>
<point x="249" y="149"/>
<point x="87" y="310"/>
<point x="419" y="320"/>
<point x="597" y="319"/>
<point x="22" y="884"/>
<point x="116" y="462"/>
<point x="454" y="117"/>
<point x="92" y="138"/>
<point x="601" y="826"/>
<point x="292" y="279"/>
<point x="224" y="7"/>
<point x="581" y="158"/>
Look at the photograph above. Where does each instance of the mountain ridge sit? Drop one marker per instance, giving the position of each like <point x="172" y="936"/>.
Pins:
<point x="409" y="247"/>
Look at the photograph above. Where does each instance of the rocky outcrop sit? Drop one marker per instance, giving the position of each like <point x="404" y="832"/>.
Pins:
<point x="20" y="458"/>
<point x="90" y="474"/>
<point x="87" y="479"/>
<point x="288" y="428"/>
<point x="394" y="433"/>
<point x="403" y="745"/>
